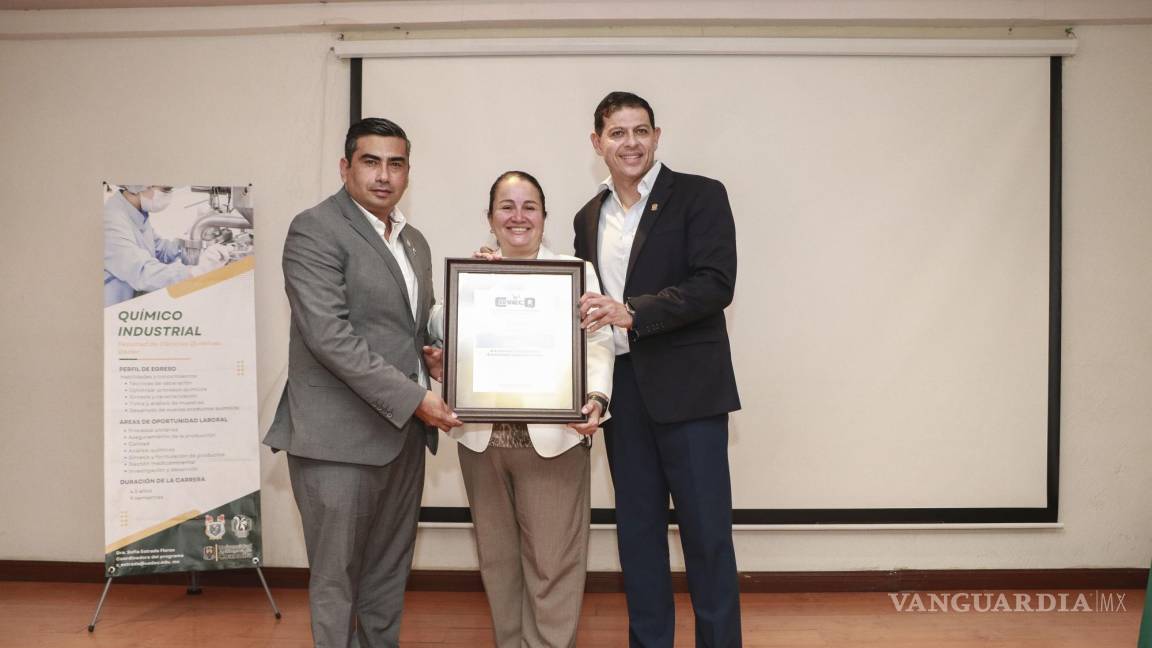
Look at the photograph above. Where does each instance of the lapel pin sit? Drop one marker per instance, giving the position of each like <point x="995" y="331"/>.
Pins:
<point x="654" y="207"/>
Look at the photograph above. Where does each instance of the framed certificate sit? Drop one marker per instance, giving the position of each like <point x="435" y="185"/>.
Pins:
<point x="514" y="349"/>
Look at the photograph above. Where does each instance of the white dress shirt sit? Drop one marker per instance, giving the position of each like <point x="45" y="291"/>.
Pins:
<point x="616" y="233"/>
<point x="396" y="247"/>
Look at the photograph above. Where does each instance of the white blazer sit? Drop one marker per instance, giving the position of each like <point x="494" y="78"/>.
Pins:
<point x="550" y="440"/>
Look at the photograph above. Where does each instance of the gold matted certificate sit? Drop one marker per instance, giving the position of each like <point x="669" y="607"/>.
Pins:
<point x="514" y="349"/>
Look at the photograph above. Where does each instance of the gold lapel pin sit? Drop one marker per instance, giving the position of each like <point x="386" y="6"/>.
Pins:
<point x="654" y="207"/>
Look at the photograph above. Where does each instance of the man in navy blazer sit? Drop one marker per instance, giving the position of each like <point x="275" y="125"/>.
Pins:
<point x="664" y="245"/>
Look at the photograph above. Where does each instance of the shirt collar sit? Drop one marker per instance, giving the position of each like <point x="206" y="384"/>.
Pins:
<point x="544" y="253"/>
<point x="397" y="218"/>
<point x="645" y="186"/>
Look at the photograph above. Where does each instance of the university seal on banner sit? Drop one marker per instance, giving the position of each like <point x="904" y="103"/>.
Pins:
<point x="241" y="525"/>
<point x="214" y="528"/>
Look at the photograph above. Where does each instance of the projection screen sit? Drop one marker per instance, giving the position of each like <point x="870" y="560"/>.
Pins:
<point x="891" y="325"/>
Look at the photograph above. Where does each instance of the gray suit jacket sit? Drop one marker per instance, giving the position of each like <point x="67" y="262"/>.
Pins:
<point x="354" y="351"/>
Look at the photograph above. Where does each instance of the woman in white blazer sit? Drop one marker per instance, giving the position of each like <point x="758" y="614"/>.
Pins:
<point x="528" y="485"/>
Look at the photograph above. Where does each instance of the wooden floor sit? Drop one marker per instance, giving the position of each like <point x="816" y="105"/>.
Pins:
<point x="51" y="615"/>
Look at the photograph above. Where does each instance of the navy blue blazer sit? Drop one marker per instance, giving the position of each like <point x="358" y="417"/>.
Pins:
<point x="681" y="275"/>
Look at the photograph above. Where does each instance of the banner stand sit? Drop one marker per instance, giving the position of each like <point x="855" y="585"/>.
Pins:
<point x="193" y="590"/>
<point x="181" y="449"/>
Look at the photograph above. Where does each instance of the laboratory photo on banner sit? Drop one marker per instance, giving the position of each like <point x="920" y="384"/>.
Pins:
<point x="156" y="236"/>
<point x="181" y="442"/>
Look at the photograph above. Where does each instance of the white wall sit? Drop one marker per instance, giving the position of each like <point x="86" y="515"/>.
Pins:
<point x="270" y="109"/>
<point x="688" y="15"/>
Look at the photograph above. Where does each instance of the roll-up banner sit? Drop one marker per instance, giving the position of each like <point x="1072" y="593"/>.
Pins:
<point x="181" y="460"/>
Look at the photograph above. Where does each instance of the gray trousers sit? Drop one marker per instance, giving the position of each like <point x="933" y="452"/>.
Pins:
<point x="531" y="516"/>
<point x="359" y="530"/>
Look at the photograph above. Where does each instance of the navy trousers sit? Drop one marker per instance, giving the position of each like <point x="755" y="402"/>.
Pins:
<point x="689" y="461"/>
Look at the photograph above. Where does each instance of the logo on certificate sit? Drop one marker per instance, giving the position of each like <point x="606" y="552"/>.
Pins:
<point x="515" y="301"/>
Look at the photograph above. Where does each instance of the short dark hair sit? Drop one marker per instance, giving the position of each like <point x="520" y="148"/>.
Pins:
<point x="523" y="175"/>
<point x="373" y="126"/>
<point x="617" y="100"/>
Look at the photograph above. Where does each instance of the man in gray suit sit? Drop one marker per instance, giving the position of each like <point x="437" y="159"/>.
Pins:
<point x="356" y="413"/>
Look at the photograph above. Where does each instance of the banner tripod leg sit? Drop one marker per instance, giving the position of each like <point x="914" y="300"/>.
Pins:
<point x="194" y="584"/>
<point x="267" y="591"/>
<point x="104" y="595"/>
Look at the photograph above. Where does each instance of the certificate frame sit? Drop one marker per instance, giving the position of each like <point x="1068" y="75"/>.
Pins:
<point x="558" y="391"/>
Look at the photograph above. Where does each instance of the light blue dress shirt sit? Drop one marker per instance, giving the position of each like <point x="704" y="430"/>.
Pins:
<point x="136" y="261"/>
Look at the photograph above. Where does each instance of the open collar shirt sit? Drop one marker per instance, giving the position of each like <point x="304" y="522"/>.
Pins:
<point x="396" y="247"/>
<point x="616" y="233"/>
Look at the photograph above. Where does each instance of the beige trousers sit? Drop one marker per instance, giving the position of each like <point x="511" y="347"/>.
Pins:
<point x="531" y="516"/>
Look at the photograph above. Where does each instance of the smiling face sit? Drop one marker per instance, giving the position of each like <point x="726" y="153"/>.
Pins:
<point x="377" y="174"/>
<point x="517" y="217"/>
<point x="628" y="144"/>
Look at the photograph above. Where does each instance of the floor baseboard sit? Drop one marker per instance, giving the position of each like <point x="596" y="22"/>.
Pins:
<point x="601" y="582"/>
